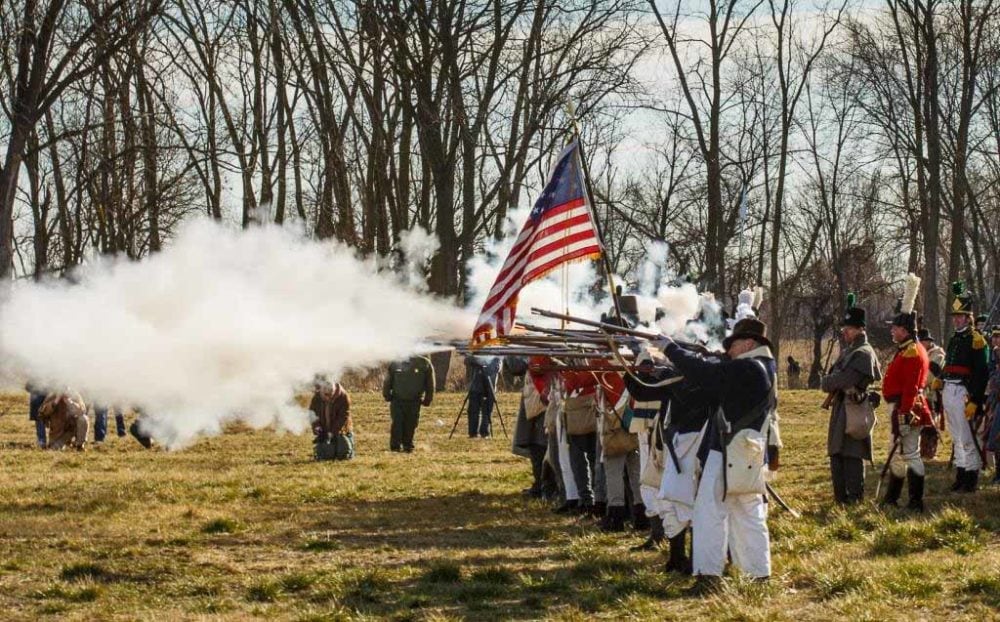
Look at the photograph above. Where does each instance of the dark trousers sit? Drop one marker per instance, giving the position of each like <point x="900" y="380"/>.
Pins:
<point x="35" y="402"/>
<point x="848" y="476"/>
<point x="480" y="414"/>
<point x="552" y="461"/>
<point x="537" y="456"/>
<point x="405" y="415"/>
<point x="583" y="460"/>
<point x="101" y="423"/>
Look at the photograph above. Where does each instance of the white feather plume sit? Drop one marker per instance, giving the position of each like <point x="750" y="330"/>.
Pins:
<point x="910" y="288"/>
<point x="758" y="297"/>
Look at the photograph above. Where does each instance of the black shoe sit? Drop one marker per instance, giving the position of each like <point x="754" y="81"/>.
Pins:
<point x="599" y="509"/>
<point x="568" y="507"/>
<point x="656" y="536"/>
<point x="679" y="561"/>
<point x="705" y="584"/>
<point x="916" y="490"/>
<point x="959" y="480"/>
<point x="408" y="450"/>
<point x="892" y="491"/>
<point x="144" y="440"/>
<point x="640" y="522"/>
<point x="614" y="520"/>
<point x="971" y="481"/>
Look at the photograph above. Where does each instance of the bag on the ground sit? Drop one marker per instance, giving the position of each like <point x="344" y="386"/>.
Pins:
<point x="581" y="415"/>
<point x="859" y="415"/>
<point x="340" y="447"/>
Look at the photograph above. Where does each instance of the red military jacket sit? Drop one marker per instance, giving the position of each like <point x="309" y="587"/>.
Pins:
<point x="904" y="382"/>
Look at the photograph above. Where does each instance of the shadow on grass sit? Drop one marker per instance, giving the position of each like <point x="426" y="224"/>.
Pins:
<point x="468" y="522"/>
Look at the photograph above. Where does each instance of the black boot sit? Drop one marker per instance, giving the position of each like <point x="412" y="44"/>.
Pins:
<point x="679" y="561"/>
<point x="959" y="479"/>
<point x="599" y="509"/>
<point x="971" y="481"/>
<point x="614" y="520"/>
<point x="916" y="486"/>
<point x="568" y="507"/>
<point x="893" y="491"/>
<point x="640" y="522"/>
<point x="656" y="536"/>
<point x="144" y="440"/>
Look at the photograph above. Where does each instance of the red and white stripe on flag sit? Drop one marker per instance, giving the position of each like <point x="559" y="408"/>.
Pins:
<point x="560" y="229"/>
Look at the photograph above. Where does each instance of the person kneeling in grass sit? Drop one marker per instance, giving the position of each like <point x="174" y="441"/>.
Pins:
<point x="332" y="427"/>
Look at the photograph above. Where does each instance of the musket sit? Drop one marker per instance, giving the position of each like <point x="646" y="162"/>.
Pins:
<point x="550" y="352"/>
<point x="781" y="502"/>
<point x="614" y="328"/>
<point x="888" y="463"/>
<point x="993" y="311"/>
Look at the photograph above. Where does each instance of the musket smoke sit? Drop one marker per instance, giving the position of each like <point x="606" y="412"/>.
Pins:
<point x="219" y="327"/>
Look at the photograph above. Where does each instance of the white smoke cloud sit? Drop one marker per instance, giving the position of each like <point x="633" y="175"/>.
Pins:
<point x="218" y="327"/>
<point x="418" y="246"/>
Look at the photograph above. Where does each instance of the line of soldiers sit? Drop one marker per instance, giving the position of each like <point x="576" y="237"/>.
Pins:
<point x="686" y="445"/>
<point x="927" y="387"/>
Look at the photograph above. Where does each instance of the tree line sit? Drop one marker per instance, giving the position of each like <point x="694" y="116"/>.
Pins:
<point x="813" y="147"/>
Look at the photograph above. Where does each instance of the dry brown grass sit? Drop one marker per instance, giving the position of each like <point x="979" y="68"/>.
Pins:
<point x="247" y="526"/>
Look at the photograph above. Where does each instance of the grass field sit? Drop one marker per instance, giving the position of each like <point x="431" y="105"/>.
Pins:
<point x="246" y="525"/>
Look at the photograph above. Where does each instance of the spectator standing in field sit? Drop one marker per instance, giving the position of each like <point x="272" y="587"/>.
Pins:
<point x="481" y="375"/>
<point x="408" y="385"/>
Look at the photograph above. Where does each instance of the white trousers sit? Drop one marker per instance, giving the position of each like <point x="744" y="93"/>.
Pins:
<point x="907" y="456"/>
<point x="677" y="489"/>
<point x="569" y="482"/>
<point x="738" y="524"/>
<point x="953" y="398"/>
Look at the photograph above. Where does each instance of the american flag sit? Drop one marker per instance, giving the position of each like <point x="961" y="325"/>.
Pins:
<point x="560" y="229"/>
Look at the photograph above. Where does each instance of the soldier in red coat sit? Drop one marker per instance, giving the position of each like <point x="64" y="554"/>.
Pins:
<point x="903" y="387"/>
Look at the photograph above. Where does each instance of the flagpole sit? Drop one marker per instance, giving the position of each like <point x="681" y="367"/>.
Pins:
<point x="605" y="260"/>
<point x="744" y="209"/>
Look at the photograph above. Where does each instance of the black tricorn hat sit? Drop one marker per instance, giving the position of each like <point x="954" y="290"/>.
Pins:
<point x="748" y="328"/>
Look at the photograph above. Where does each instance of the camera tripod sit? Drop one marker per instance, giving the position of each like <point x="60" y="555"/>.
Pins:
<point x="465" y="405"/>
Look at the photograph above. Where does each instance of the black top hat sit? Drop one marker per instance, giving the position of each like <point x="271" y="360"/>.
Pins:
<point x="748" y="328"/>
<point x="925" y="335"/>
<point x="982" y="318"/>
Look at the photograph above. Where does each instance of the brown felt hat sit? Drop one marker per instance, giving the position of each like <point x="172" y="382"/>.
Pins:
<point x="748" y="328"/>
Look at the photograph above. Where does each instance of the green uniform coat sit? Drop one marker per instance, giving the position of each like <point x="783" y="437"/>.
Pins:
<point x="408" y="384"/>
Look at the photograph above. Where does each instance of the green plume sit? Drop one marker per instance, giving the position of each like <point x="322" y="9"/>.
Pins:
<point x="851" y="299"/>
<point x="958" y="288"/>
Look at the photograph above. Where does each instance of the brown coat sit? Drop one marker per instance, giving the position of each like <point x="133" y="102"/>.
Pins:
<point x="332" y="416"/>
<point x="65" y="414"/>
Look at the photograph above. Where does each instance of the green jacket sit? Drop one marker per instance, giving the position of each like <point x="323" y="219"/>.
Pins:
<point x="967" y="360"/>
<point x="411" y="380"/>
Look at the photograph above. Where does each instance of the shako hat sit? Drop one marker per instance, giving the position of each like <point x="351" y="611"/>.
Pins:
<point x="962" y="304"/>
<point x="854" y="315"/>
